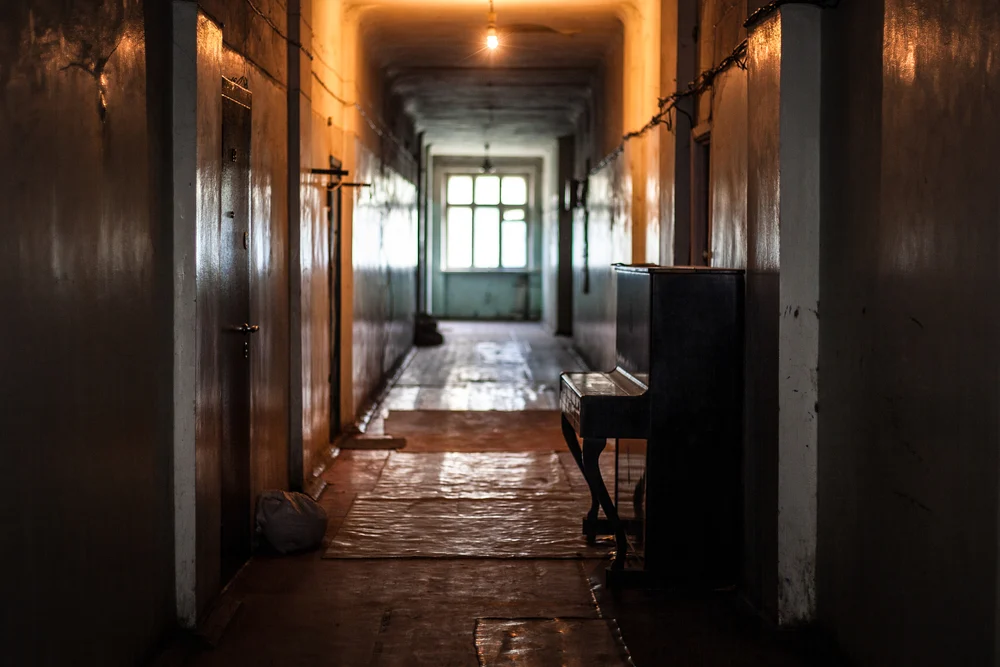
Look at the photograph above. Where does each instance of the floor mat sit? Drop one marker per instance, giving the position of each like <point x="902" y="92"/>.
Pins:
<point x="464" y="528"/>
<point x="543" y="642"/>
<point x="509" y="475"/>
<point x="477" y="430"/>
<point x="509" y="397"/>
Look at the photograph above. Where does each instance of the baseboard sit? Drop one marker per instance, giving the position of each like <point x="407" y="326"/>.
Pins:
<point x="314" y="485"/>
<point x="380" y="394"/>
<point x="373" y="442"/>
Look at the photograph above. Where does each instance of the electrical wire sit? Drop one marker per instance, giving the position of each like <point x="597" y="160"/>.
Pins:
<point x="385" y="133"/>
<point x="276" y="29"/>
<point x="704" y="81"/>
<point x="382" y="133"/>
<point x="669" y="103"/>
<point x="772" y="7"/>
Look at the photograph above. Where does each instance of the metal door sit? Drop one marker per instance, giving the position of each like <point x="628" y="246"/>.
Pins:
<point x="237" y="329"/>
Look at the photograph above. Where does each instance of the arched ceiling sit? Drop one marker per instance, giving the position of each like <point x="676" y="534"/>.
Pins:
<point x="533" y="86"/>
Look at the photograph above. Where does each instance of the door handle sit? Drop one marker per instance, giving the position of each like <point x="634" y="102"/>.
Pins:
<point x="248" y="329"/>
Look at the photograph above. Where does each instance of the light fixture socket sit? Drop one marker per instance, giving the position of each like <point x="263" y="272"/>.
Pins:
<point x="487" y="166"/>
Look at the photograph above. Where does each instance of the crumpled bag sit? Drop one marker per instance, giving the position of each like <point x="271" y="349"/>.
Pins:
<point x="290" y="521"/>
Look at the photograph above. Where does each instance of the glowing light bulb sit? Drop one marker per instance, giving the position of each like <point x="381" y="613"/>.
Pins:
<point x="492" y="41"/>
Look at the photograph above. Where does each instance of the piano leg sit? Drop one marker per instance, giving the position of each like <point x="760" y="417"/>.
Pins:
<point x="591" y="523"/>
<point x="569" y="435"/>
<point x="592" y="448"/>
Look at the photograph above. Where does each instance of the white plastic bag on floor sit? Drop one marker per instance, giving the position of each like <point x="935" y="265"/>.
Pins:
<point x="290" y="521"/>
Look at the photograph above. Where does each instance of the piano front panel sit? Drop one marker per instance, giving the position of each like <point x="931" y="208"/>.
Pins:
<point x="633" y="324"/>
<point x="694" y="476"/>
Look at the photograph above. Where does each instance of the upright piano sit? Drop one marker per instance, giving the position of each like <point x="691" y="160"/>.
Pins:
<point x="677" y="385"/>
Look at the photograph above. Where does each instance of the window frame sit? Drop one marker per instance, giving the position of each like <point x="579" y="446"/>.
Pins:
<point x="527" y="207"/>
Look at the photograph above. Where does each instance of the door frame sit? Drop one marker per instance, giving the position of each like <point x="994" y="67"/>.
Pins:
<point x="701" y="198"/>
<point x="196" y="76"/>
<point x="335" y="209"/>
<point x="233" y="455"/>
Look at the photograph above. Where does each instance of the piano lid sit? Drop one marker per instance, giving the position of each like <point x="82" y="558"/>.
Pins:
<point x="656" y="268"/>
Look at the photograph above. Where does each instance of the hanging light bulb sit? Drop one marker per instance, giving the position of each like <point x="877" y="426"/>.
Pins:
<point x="492" y="41"/>
<point x="487" y="167"/>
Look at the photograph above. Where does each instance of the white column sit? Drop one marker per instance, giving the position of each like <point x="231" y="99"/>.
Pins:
<point x="195" y="73"/>
<point x="784" y="85"/>
<point x="798" y="330"/>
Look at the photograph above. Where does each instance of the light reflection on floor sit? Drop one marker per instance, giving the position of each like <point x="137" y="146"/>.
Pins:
<point x="483" y="367"/>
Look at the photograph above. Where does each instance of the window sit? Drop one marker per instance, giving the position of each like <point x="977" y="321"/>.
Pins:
<point x="486" y="222"/>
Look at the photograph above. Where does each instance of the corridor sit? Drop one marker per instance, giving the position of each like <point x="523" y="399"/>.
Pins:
<point x="464" y="547"/>
<point x="767" y="231"/>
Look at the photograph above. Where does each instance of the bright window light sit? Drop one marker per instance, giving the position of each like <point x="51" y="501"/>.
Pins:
<point x="515" y="244"/>
<point x="460" y="190"/>
<point x="459" y="238"/>
<point x="514" y="191"/>
<point x="486" y="223"/>
<point x="487" y="191"/>
<point x="486" y="254"/>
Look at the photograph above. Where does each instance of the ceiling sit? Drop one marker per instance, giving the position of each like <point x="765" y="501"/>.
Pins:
<point x="533" y="86"/>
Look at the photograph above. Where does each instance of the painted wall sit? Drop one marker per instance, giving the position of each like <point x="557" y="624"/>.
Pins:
<point x="639" y="95"/>
<point x="318" y="111"/>
<point x="344" y="114"/>
<point x="678" y="19"/>
<point x="550" y="244"/>
<point x="622" y="220"/>
<point x="602" y="228"/>
<point x="85" y="279"/>
<point x="908" y="394"/>
<point x="384" y="228"/>
<point x="501" y="295"/>
<point x="557" y="240"/>
<point x="602" y="236"/>
<point x="380" y="233"/>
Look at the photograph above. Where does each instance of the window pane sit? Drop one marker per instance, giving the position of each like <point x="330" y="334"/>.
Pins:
<point x="513" y="214"/>
<point x="515" y="244"/>
<point x="459" y="238"/>
<point x="514" y="191"/>
<point x="460" y="190"/>
<point x="487" y="251"/>
<point x="487" y="190"/>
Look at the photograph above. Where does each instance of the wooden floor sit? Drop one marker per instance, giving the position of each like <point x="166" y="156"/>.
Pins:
<point x="478" y="408"/>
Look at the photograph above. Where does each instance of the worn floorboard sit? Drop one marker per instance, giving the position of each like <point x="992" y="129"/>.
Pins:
<point x="544" y="642"/>
<point x="477" y="430"/>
